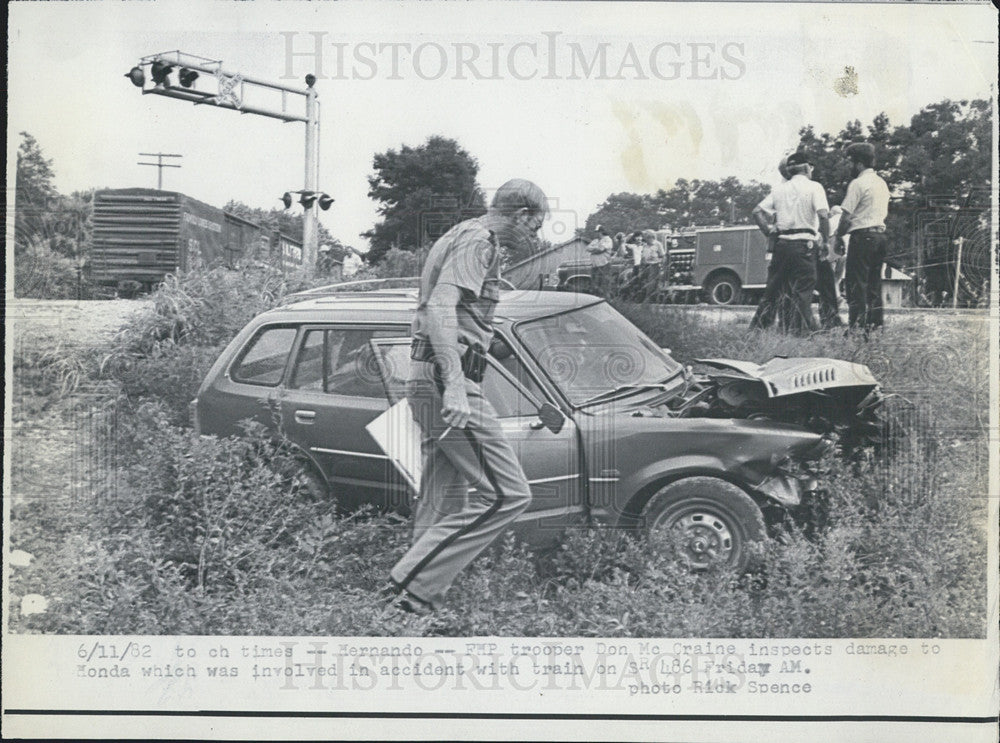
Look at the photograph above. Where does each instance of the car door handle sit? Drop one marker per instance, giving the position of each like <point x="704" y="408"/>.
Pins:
<point x="305" y="416"/>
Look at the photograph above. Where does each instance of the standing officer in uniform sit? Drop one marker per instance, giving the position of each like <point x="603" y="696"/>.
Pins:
<point x="865" y="206"/>
<point x="826" y="283"/>
<point x="464" y="445"/>
<point x="801" y="227"/>
<point x="768" y="307"/>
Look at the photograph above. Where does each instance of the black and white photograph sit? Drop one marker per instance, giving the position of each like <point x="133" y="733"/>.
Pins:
<point x="522" y="369"/>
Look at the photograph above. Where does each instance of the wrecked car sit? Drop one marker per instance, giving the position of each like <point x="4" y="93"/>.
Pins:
<point x="609" y="428"/>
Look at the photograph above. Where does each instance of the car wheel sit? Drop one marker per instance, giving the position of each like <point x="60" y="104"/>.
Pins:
<point x="314" y="488"/>
<point x="724" y="289"/>
<point x="714" y="520"/>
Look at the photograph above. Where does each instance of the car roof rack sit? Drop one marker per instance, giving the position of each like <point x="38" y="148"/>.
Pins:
<point x="345" y="288"/>
<point x="350" y="288"/>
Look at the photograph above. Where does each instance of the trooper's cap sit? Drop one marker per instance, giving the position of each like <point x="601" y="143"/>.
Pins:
<point x="861" y="151"/>
<point x="797" y="158"/>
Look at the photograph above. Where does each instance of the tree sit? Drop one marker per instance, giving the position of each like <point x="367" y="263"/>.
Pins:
<point x="34" y="175"/>
<point x="944" y="154"/>
<point x="688" y="203"/>
<point x="422" y="192"/>
<point x="286" y="222"/>
<point x="946" y="150"/>
<point x="52" y="235"/>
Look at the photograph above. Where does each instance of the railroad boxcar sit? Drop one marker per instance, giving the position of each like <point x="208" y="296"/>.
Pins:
<point x="141" y="235"/>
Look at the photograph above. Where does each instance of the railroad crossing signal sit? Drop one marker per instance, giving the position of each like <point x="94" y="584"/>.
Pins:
<point x="307" y="199"/>
<point x="195" y="74"/>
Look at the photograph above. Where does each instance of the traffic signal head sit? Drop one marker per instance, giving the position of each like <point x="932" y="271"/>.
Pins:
<point x="187" y="77"/>
<point x="325" y="201"/>
<point x="307" y="199"/>
<point x="287" y="200"/>
<point x="137" y="76"/>
<point x="160" y="71"/>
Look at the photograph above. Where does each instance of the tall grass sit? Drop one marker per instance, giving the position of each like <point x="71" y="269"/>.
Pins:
<point x="207" y="536"/>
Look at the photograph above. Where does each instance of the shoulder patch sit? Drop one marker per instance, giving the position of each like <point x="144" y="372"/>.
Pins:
<point x="487" y="250"/>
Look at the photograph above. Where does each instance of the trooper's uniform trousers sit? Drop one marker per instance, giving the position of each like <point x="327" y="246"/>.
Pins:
<point x="451" y="525"/>
<point x="791" y="280"/>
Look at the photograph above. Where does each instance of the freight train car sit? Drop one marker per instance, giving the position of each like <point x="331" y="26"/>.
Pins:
<point x="141" y="235"/>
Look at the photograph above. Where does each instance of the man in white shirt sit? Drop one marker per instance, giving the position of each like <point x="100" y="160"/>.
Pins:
<point x="865" y="208"/>
<point x="801" y="226"/>
<point x="601" y="250"/>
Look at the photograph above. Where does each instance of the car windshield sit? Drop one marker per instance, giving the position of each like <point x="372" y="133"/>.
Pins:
<point x="594" y="350"/>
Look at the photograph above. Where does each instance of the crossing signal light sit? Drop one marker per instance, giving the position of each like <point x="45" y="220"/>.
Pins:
<point x="187" y="77"/>
<point x="307" y="199"/>
<point x="161" y="71"/>
<point x="137" y="76"/>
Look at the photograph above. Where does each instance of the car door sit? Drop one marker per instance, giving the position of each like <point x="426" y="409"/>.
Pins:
<point x="250" y="386"/>
<point x="332" y="392"/>
<point x="551" y="461"/>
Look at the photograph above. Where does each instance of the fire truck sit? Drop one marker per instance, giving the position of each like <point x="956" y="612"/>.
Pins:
<point x="721" y="265"/>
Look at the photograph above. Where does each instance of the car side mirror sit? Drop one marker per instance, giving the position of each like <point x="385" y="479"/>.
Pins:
<point x="499" y="349"/>
<point x="550" y="417"/>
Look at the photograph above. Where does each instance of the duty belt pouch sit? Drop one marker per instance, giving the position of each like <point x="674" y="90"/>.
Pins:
<point x="474" y="364"/>
<point x="473" y="360"/>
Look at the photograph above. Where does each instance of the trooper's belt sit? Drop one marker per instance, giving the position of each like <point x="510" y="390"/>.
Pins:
<point x="473" y="360"/>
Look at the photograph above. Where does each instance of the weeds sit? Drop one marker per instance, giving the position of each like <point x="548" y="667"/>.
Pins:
<point x="219" y="536"/>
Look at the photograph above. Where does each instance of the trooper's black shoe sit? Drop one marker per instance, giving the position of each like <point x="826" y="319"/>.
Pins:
<point x="395" y="597"/>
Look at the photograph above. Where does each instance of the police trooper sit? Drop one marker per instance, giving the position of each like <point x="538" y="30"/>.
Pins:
<point x="801" y="226"/>
<point x="865" y="208"/>
<point x="463" y="445"/>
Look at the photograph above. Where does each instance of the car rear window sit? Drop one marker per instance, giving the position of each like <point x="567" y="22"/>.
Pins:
<point x="263" y="360"/>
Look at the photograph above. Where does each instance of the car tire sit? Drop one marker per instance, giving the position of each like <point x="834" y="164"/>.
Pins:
<point x="724" y="289"/>
<point x="315" y="488"/>
<point x="717" y="521"/>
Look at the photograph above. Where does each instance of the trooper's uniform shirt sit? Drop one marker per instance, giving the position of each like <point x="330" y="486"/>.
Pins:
<point x="467" y="256"/>
<point x="452" y="525"/>
<point x="795" y="204"/>
<point x="791" y="274"/>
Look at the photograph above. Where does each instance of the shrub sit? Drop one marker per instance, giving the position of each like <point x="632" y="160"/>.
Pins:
<point x="170" y="373"/>
<point x="203" y="307"/>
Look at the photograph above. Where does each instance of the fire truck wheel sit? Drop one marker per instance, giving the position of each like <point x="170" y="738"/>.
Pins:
<point x="724" y="289"/>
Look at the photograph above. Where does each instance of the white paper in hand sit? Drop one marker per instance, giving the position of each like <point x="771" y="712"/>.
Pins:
<point x="399" y="436"/>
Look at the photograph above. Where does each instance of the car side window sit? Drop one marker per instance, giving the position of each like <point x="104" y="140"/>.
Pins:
<point x="507" y="400"/>
<point x="501" y="351"/>
<point x="340" y="361"/>
<point x="263" y="361"/>
<point x="309" y="370"/>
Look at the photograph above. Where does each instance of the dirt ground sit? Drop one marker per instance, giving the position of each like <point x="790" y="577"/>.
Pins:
<point x="50" y="447"/>
<point x="67" y="320"/>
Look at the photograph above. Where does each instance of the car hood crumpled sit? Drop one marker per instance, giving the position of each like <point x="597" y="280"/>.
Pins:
<point x="790" y="376"/>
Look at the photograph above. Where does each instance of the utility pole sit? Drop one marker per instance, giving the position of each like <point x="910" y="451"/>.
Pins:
<point x="958" y="272"/>
<point x="310" y="219"/>
<point x="159" y="165"/>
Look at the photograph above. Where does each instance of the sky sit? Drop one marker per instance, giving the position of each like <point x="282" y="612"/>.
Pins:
<point x="586" y="99"/>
